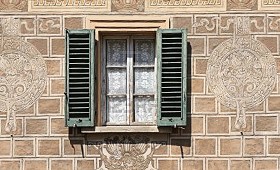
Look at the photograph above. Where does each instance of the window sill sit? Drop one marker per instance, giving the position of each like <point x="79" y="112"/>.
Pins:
<point x="125" y="129"/>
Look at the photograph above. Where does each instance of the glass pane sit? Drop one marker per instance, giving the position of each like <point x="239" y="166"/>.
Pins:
<point x="116" y="52"/>
<point x="144" y="52"/>
<point x="116" y="82"/>
<point x="144" y="108"/>
<point x="144" y="80"/>
<point x="117" y="110"/>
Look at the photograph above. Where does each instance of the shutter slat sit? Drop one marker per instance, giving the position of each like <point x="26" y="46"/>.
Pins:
<point x="171" y="57"/>
<point x="80" y="78"/>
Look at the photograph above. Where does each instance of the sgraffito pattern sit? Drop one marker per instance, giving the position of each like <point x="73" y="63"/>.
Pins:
<point x="22" y="73"/>
<point x="241" y="71"/>
<point x="127" y="152"/>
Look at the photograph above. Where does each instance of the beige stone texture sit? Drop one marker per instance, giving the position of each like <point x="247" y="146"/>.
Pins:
<point x="274" y="103"/>
<point x="13" y="164"/>
<point x="53" y="67"/>
<point x="36" y="126"/>
<point x="218" y="125"/>
<point x="5" y="147"/>
<point x="41" y="45"/>
<point x="57" y="86"/>
<point x="240" y="164"/>
<point x="58" y="46"/>
<point x="267" y="123"/>
<point x="259" y="24"/>
<point x="271" y="42"/>
<point x="162" y="150"/>
<point x="33" y="164"/>
<point x="198" y="85"/>
<point x="73" y="23"/>
<point x="205" y="104"/>
<point x="217" y="164"/>
<point x="180" y="146"/>
<point x="230" y="146"/>
<point x="193" y="164"/>
<point x="91" y="149"/>
<point x="205" y="146"/>
<point x="168" y="164"/>
<point x="62" y="164"/>
<point x="201" y="66"/>
<point x="197" y="125"/>
<point x="29" y="111"/>
<point x="254" y="146"/>
<point x="58" y="127"/>
<point x="183" y="22"/>
<point x="266" y="164"/>
<point x="49" y="25"/>
<point x="73" y="146"/>
<point x="18" y="132"/>
<point x="274" y="146"/>
<point x="49" y="147"/>
<point x="24" y="148"/>
<point x="273" y="25"/>
<point x="226" y="28"/>
<point x="49" y="106"/>
<point x="277" y="60"/>
<point x="85" y="164"/>
<point x="198" y="45"/>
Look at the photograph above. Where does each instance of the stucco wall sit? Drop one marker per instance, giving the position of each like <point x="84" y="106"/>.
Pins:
<point x="210" y="140"/>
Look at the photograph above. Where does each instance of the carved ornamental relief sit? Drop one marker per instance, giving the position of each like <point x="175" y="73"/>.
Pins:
<point x="13" y="5"/>
<point x="241" y="71"/>
<point x="22" y="72"/>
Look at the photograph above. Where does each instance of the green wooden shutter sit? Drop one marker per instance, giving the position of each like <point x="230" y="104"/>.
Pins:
<point x="172" y="77"/>
<point x="79" y="84"/>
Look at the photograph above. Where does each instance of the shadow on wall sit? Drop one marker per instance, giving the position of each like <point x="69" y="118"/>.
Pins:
<point x="135" y="149"/>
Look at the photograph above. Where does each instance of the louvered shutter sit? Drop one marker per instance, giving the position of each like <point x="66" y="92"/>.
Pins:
<point x="79" y="93"/>
<point x="172" y="77"/>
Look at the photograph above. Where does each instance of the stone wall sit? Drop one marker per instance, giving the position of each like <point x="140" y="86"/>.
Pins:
<point x="209" y="142"/>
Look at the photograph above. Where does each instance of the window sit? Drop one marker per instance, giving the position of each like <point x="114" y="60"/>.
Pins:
<point x="128" y="64"/>
<point x="143" y="79"/>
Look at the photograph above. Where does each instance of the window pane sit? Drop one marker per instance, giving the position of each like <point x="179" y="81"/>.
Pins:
<point x="116" y="80"/>
<point x="144" y="109"/>
<point x="117" y="110"/>
<point x="144" y="52"/>
<point x="144" y="80"/>
<point x="116" y="52"/>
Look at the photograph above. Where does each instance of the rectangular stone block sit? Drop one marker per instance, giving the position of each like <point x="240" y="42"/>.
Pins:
<point x="49" y="106"/>
<point x="13" y="164"/>
<point x="49" y="147"/>
<point x="254" y="146"/>
<point x="32" y="164"/>
<point x="196" y="164"/>
<point x="58" y="127"/>
<point x="57" y="46"/>
<point x="249" y="125"/>
<point x="198" y="85"/>
<point x="28" y="26"/>
<point x="18" y="132"/>
<point x="57" y="86"/>
<point x="41" y="44"/>
<point x="54" y="67"/>
<point x="5" y="147"/>
<point x="61" y="164"/>
<point x="205" y="105"/>
<point x="36" y="126"/>
<point x="205" y="146"/>
<point x="217" y="164"/>
<point x="273" y="145"/>
<point x="213" y="42"/>
<point x="244" y="164"/>
<point x="271" y="42"/>
<point x="200" y="66"/>
<point x="265" y="124"/>
<point x="230" y="147"/>
<point x="72" y="147"/>
<point x="168" y="164"/>
<point x="24" y="148"/>
<point x="274" y="103"/>
<point x="73" y="23"/>
<point x="273" y="26"/>
<point x="180" y="146"/>
<point x="217" y="125"/>
<point x="261" y="164"/>
<point x="85" y="164"/>
<point x="198" y="45"/>
<point x="183" y="22"/>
